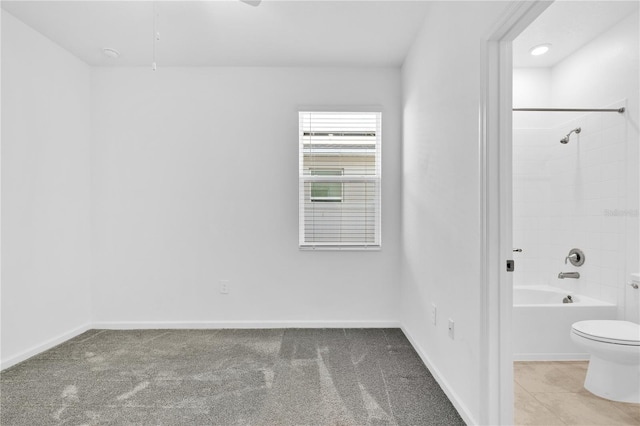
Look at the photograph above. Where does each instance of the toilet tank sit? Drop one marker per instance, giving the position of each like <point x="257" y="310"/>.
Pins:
<point x="632" y="299"/>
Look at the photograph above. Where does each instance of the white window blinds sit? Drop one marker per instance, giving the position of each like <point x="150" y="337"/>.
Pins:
<point x="340" y="170"/>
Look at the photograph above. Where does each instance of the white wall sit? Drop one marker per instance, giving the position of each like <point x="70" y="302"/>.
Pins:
<point x="604" y="72"/>
<point x="532" y="89"/>
<point x="45" y="191"/>
<point x="195" y="180"/>
<point x="440" y="195"/>
<point x="583" y="194"/>
<point x="532" y="142"/>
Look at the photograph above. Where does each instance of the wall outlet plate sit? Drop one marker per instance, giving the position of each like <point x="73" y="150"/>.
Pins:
<point x="451" y="328"/>
<point x="224" y="286"/>
<point x="434" y="313"/>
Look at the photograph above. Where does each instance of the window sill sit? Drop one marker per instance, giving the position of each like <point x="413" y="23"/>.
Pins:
<point x="340" y="248"/>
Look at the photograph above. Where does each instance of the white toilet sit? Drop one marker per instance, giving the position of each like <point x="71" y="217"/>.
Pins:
<point x="614" y="366"/>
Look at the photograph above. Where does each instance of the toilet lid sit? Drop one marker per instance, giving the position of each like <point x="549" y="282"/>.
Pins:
<point x="610" y="331"/>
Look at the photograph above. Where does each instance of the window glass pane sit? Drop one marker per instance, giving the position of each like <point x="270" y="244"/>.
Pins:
<point x="351" y="222"/>
<point x="326" y="191"/>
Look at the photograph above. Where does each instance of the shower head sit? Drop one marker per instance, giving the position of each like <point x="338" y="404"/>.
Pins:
<point x="565" y="140"/>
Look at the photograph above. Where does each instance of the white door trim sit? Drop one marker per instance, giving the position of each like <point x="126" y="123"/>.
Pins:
<point x="496" y="375"/>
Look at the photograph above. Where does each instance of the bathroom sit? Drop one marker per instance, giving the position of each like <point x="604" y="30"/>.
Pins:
<point x="575" y="175"/>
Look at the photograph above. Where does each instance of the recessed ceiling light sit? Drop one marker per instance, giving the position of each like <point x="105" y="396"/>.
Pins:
<point x="541" y="49"/>
<point x="111" y="53"/>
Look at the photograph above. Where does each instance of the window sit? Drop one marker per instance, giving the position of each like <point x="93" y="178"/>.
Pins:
<point x="340" y="169"/>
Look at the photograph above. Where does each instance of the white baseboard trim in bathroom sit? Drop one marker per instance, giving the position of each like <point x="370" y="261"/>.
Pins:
<point x="146" y="325"/>
<point x="448" y="390"/>
<point x="43" y="347"/>
<point x="552" y="357"/>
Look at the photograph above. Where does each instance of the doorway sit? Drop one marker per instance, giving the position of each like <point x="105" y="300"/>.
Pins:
<point x="570" y="157"/>
<point x="496" y="204"/>
<point x="497" y="197"/>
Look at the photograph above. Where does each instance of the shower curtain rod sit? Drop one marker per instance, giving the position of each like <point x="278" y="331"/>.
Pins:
<point x="619" y="110"/>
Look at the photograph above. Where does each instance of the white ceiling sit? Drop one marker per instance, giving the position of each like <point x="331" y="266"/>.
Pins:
<point x="568" y="25"/>
<point x="230" y="33"/>
<point x="285" y="33"/>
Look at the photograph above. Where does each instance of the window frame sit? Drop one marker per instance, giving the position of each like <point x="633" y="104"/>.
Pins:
<point x="376" y="179"/>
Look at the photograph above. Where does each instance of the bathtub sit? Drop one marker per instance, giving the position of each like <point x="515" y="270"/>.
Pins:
<point x="542" y="323"/>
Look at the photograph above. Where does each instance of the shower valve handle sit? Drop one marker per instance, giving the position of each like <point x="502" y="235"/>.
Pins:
<point x="576" y="257"/>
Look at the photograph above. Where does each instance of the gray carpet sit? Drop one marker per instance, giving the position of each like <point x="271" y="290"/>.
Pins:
<point x="226" y="377"/>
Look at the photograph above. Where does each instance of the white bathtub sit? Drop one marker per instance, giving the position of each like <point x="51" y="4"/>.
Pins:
<point x="542" y="323"/>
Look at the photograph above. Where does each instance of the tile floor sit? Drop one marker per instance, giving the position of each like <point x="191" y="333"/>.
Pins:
<point x="552" y="393"/>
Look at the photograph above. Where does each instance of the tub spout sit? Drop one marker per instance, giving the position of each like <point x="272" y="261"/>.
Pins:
<point x="563" y="275"/>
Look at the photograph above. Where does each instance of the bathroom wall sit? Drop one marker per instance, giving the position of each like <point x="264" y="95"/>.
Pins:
<point x="532" y="140"/>
<point x="45" y="193"/>
<point x="583" y="194"/>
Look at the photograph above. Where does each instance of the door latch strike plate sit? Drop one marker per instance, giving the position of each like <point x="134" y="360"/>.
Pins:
<point x="511" y="265"/>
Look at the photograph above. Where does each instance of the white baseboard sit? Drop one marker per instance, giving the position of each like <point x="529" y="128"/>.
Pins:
<point x="552" y="357"/>
<point x="145" y="325"/>
<point x="43" y="347"/>
<point x="448" y="390"/>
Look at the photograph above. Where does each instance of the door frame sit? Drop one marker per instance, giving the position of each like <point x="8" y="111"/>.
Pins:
<point x="496" y="362"/>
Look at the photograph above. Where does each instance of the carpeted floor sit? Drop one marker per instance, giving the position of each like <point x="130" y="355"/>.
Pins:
<point x="226" y="377"/>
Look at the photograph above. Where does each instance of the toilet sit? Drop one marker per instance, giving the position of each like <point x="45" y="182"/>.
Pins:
<point x="614" y="365"/>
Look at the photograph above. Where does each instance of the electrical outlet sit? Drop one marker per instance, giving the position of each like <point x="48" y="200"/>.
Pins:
<point x="224" y="286"/>
<point x="434" y="311"/>
<point x="451" y="329"/>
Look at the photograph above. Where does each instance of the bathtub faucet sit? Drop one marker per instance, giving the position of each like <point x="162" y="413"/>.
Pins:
<point x="563" y="275"/>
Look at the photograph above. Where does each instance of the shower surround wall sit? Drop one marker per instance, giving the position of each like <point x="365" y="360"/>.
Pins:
<point x="568" y="196"/>
<point x="583" y="194"/>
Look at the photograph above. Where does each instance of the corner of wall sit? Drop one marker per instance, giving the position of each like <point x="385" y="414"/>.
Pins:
<point x="45" y="192"/>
